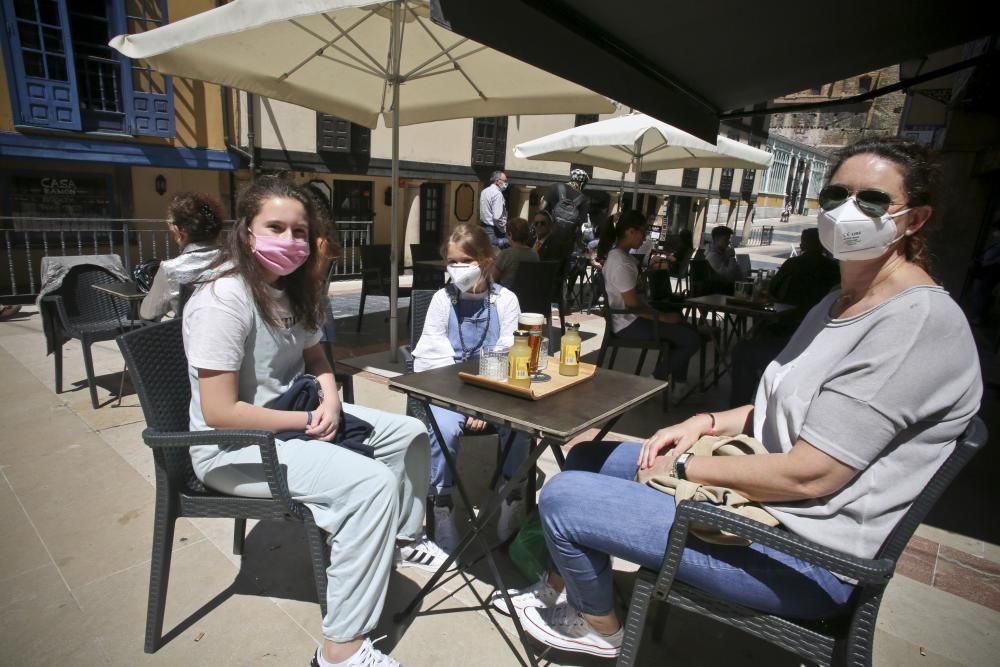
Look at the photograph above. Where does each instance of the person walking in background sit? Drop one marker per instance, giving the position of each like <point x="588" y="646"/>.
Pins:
<point x="520" y="250"/>
<point x="194" y="220"/>
<point x="568" y="207"/>
<point x="493" y="210"/>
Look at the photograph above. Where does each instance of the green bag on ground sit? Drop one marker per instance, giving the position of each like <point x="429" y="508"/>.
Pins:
<point x="528" y="551"/>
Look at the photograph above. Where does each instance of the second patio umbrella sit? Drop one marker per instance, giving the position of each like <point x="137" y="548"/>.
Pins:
<point x="639" y="142"/>
<point x="351" y="58"/>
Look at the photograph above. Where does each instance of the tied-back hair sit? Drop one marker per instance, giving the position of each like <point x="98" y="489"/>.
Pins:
<point x="303" y="290"/>
<point x="620" y="223"/>
<point x="472" y="240"/>
<point x="921" y="175"/>
<point x="197" y="214"/>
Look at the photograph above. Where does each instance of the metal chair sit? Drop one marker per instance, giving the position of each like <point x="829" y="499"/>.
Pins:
<point x="375" y="279"/>
<point x="77" y="310"/>
<point x="159" y="372"/>
<point x="844" y="640"/>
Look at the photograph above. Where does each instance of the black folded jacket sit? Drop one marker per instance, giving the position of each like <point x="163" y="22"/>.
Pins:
<point x="304" y="395"/>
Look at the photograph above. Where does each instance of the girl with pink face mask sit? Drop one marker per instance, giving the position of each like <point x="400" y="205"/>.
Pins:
<point x="250" y="333"/>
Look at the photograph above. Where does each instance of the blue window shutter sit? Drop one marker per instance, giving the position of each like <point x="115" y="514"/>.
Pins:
<point x="149" y="113"/>
<point x="44" y="83"/>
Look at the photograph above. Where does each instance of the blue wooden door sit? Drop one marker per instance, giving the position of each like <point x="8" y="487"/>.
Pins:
<point x="42" y="63"/>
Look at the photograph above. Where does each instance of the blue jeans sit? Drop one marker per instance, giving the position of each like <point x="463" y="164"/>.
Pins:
<point x="594" y="510"/>
<point x="452" y="425"/>
<point x="499" y="241"/>
<point x="683" y="339"/>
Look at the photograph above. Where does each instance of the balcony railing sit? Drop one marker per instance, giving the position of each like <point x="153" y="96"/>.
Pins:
<point x="24" y="241"/>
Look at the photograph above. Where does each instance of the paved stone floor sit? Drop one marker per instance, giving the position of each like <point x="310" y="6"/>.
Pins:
<point x="76" y="502"/>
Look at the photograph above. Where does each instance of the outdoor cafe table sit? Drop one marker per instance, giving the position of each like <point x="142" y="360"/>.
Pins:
<point x="551" y="422"/>
<point x="130" y="293"/>
<point x="733" y="322"/>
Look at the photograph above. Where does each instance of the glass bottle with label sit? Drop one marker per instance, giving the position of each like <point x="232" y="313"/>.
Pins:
<point x="569" y="352"/>
<point x="518" y="361"/>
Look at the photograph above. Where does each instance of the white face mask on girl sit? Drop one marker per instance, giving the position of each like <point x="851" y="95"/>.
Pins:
<point x="850" y="234"/>
<point x="464" y="276"/>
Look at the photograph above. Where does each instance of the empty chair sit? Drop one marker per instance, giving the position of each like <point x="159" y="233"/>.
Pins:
<point x="76" y="310"/>
<point x="537" y="286"/>
<point x="375" y="276"/>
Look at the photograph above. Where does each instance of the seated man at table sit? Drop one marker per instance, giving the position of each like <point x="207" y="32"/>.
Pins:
<point x="801" y="281"/>
<point x="621" y="276"/>
<point x="721" y="259"/>
<point x="520" y="250"/>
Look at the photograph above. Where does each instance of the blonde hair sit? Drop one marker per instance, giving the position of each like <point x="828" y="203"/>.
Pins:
<point x="472" y="240"/>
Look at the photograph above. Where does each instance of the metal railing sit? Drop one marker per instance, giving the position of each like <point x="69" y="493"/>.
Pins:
<point x="761" y="236"/>
<point x="24" y="241"/>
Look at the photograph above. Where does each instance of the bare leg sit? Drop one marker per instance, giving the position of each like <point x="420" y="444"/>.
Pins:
<point x="341" y="651"/>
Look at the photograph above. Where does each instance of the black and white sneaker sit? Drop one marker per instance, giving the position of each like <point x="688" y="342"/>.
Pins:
<point x="422" y="553"/>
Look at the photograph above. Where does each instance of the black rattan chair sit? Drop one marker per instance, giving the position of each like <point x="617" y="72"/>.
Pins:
<point x="77" y="310"/>
<point x="844" y="640"/>
<point x="159" y="372"/>
<point x="538" y="285"/>
<point x="375" y="278"/>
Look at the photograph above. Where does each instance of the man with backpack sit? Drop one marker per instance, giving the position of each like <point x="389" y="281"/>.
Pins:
<point x="568" y="207"/>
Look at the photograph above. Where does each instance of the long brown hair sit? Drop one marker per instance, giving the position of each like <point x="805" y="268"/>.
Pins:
<point x="921" y="174"/>
<point x="304" y="290"/>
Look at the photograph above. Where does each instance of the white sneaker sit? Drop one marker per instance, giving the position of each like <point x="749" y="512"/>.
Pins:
<point x="541" y="594"/>
<point x="366" y="656"/>
<point x="422" y="553"/>
<point x="511" y="518"/>
<point x="563" y="627"/>
<point x="445" y="532"/>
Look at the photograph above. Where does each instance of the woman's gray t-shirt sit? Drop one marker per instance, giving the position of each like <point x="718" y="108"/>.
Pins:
<point x="886" y="392"/>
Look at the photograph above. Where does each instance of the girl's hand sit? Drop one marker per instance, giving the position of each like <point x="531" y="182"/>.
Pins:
<point x="325" y="420"/>
<point x="474" y="425"/>
<point x="679" y="437"/>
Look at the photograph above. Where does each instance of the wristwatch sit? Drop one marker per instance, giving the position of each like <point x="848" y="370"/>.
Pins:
<point x="679" y="469"/>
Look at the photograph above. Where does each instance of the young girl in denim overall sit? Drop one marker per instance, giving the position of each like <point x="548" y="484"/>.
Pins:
<point x="467" y="316"/>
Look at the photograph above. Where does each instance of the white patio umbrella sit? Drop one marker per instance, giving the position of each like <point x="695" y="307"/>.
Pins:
<point x="360" y="60"/>
<point x="640" y="142"/>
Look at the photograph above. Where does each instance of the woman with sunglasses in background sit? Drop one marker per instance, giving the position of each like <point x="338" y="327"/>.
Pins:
<point x="857" y="413"/>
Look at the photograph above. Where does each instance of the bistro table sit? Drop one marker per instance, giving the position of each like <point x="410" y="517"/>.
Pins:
<point x="551" y="422"/>
<point x="735" y="314"/>
<point x="133" y="296"/>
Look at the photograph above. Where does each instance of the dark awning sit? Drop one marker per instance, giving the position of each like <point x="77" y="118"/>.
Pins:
<point x="687" y="63"/>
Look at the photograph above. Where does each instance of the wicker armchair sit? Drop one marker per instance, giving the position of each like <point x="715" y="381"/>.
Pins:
<point x="159" y="372"/>
<point x="844" y="640"/>
<point x="77" y="310"/>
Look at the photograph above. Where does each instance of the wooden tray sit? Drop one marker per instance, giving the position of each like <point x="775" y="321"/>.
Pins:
<point x="538" y="390"/>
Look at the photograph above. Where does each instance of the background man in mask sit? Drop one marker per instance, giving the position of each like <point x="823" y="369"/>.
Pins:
<point x="493" y="210"/>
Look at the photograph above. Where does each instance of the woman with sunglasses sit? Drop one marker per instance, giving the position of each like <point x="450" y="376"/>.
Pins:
<point x="857" y="413"/>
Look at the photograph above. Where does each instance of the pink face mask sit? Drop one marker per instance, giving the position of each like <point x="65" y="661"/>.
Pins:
<point x="280" y="256"/>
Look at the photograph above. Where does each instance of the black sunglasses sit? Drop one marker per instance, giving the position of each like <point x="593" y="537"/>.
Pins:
<point x="872" y="202"/>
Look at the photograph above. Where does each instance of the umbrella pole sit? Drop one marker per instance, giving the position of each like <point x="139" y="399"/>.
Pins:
<point x="621" y="194"/>
<point x="393" y="227"/>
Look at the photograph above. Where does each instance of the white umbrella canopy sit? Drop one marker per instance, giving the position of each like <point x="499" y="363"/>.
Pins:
<point x="638" y="140"/>
<point x="343" y="57"/>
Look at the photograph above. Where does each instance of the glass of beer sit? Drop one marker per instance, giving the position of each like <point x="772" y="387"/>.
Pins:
<point x="534" y="324"/>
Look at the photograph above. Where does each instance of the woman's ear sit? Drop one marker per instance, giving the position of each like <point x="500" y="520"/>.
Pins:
<point x="917" y="218"/>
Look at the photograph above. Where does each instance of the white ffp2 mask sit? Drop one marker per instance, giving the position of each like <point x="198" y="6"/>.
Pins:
<point x="850" y="234"/>
<point x="464" y="276"/>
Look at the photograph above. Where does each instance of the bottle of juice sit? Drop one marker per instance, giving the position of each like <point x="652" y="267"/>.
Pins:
<point x="569" y="353"/>
<point x="518" y="360"/>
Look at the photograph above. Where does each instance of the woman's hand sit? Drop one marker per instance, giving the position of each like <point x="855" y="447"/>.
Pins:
<point x="326" y="419"/>
<point x="473" y="425"/>
<point x="679" y="437"/>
